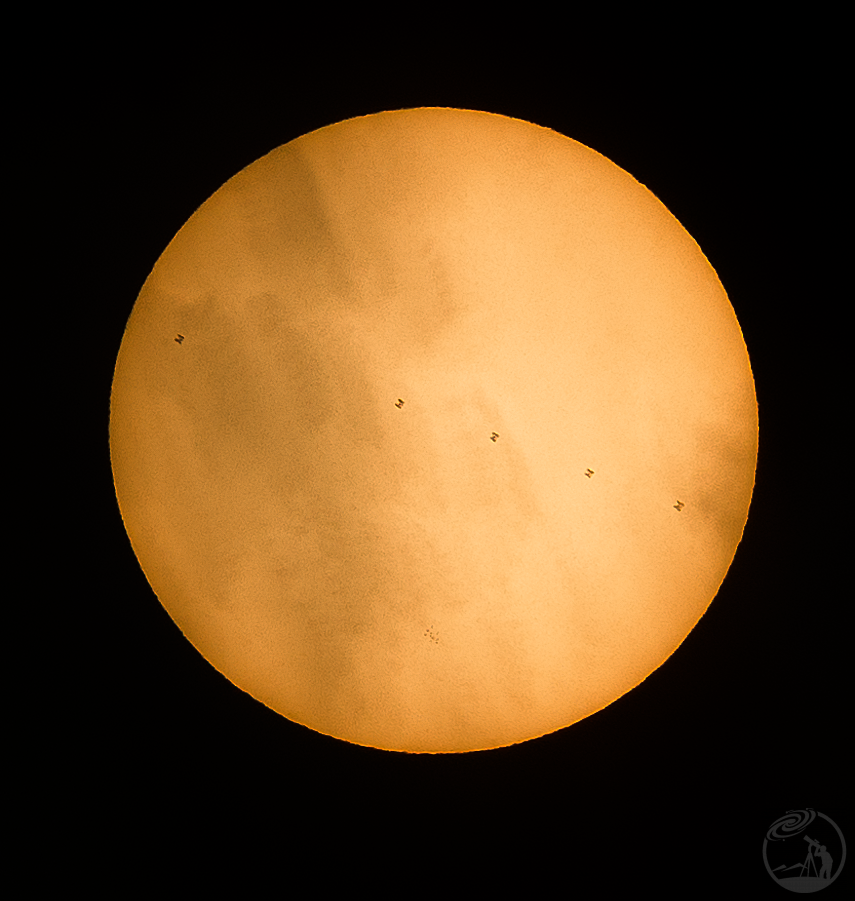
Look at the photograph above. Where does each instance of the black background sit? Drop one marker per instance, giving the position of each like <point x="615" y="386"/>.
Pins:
<point x="675" y="782"/>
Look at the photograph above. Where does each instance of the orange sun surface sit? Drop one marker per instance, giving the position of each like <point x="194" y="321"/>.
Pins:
<point x="434" y="431"/>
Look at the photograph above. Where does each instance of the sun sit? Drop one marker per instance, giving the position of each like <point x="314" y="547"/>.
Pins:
<point x="434" y="431"/>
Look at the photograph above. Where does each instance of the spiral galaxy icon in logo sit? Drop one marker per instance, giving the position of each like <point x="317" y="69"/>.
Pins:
<point x="804" y="851"/>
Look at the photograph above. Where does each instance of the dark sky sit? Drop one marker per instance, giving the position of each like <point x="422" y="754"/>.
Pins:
<point x="688" y="770"/>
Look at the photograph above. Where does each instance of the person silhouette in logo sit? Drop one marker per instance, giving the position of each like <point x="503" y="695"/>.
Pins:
<point x="822" y="853"/>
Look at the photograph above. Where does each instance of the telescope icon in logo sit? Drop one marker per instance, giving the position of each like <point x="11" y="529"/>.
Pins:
<point x="808" y="868"/>
<point x="824" y="856"/>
